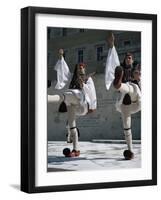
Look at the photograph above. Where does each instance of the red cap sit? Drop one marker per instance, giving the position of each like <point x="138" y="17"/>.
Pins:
<point x="82" y="64"/>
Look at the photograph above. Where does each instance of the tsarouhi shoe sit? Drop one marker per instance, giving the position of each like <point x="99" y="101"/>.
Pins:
<point x="118" y="77"/>
<point x="128" y="155"/>
<point x="74" y="153"/>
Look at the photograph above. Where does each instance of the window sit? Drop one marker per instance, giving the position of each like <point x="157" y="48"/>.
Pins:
<point x="80" y="55"/>
<point x="48" y="58"/>
<point x="49" y="33"/>
<point x="64" y="32"/>
<point x="127" y="43"/>
<point x="81" y="30"/>
<point x="99" y="53"/>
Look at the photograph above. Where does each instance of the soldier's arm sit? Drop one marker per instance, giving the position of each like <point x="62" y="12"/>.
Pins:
<point x="110" y="39"/>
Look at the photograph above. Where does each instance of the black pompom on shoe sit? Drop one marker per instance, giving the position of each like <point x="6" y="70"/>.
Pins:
<point x="126" y="99"/>
<point x="128" y="155"/>
<point x="62" y="107"/>
<point x="75" y="153"/>
<point x="66" y="152"/>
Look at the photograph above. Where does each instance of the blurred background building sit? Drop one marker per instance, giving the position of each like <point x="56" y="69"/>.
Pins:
<point x="90" y="46"/>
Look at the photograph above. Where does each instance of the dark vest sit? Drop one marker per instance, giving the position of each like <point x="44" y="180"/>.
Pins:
<point x="76" y="82"/>
<point x="127" y="78"/>
<point x="127" y="73"/>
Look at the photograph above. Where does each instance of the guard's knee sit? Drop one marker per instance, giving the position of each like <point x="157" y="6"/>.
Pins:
<point x="75" y="130"/>
<point x="127" y="132"/>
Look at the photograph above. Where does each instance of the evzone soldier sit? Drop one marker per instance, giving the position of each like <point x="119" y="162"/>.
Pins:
<point x="78" y="100"/>
<point x="126" y="80"/>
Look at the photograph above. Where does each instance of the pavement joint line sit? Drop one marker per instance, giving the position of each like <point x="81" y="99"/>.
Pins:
<point x="114" y="141"/>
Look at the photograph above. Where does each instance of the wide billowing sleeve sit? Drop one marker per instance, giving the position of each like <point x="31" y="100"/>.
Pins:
<point x="63" y="73"/>
<point x="111" y="63"/>
<point x="90" y="94"/>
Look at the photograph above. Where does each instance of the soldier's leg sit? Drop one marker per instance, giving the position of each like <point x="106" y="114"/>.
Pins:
<point x="126" y="88"/>
<point x="131" y="89"/>
<point x="126" y="118"/>
<point x="127" y="130"/>
<point x="68" y="97"/>
<point x="55" y="98"/>
<point x="135" y="107"/>
<point x="135" y="99"/>
<point x="73" y="129"/>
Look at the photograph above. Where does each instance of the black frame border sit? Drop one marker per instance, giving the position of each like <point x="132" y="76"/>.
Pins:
<point x="28" y="98"/>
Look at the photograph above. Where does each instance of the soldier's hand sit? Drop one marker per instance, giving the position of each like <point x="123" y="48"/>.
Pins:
<point x="61" y="52"/>
<point x="110" y="39"/>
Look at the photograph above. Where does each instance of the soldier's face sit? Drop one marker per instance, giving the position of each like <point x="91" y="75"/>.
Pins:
<point x="129" y="60"/>
<point x="136" y="75"/>
<point x="61" y="51"/>
<point x="81" y="69"/>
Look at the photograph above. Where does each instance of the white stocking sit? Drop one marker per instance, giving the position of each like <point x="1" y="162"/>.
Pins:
<point x="128" y="138"/>
<point x="72" y="124"/>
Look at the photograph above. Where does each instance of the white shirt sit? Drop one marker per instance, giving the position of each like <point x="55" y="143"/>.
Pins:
<point x="87" y="95"/>
<point x="63" y="73"/>
<point x="111" y="63"/>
